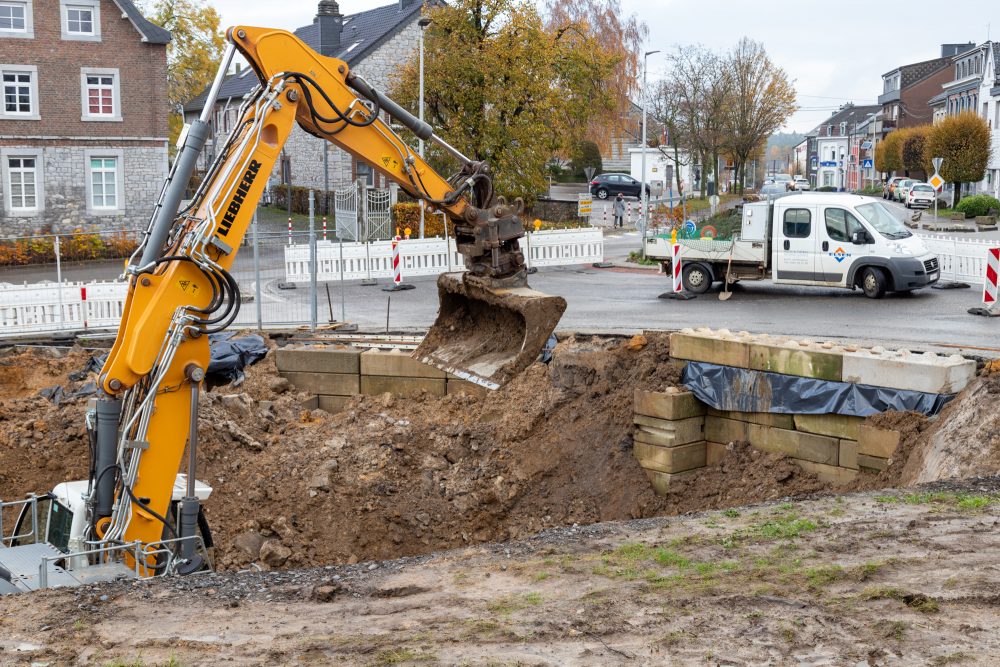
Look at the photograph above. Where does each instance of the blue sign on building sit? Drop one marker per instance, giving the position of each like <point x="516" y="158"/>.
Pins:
<point x="828" y="164"/>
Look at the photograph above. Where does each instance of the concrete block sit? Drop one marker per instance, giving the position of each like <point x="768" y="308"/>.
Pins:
<point x="661" y="481"/>
<point x="676" y="404"/>
<point x="901" y="369"/>
<point x="331" y="384"/>
<point x="835" y="426"/>
<point x="396" y="364"/>
<point x="714" y="453"/>
<point x="457" y="386"/>
<point x="877" y="442"/>
<point x="801" y="358"/>
<point x="718" y="429"/>
<point x="310" y="403"/>
<point x="671" y="433"/>
<point x="670" y="459"/>
<point x="827" y="473"/>
<point x="333" y="404"/>
<point x="372" y="385"/>
<point x="715" y="347"/>
<point x="798" y="445"/>
<point x="775" y="419"/>
<point x="849" y="454"/>
<point x="337" y="359"/>
<point x="872" y="463"/>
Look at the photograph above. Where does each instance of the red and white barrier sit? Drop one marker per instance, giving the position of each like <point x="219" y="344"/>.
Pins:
<point x="324" y="227"/>
<point x="289" y="231"/>
<point x="397" y="270"/>
<point x="675" y="265"/>
<point x="992" y="270"/>
<point x="83" y="302"/>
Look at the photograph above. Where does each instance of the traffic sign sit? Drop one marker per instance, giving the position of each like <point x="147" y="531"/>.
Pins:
<point x="584" y="205"/>
<point x="936" y="181"/>
<point x="868" y="164"/>
<point x="937" y="164"/>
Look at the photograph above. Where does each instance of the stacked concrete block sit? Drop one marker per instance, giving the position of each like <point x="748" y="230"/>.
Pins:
<point x="876" y="366"/>
<point x="669" y="437"/>
<point x="332" y="373"/>
<point x="395" y="372"/>
<point x="875" y="447"/>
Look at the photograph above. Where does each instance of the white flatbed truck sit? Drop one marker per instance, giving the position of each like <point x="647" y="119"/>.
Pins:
<point x="819" y="239"/>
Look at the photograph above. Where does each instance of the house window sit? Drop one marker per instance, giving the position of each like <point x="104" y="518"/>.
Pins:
<point x="81" y="19"/>
<point x="104" y="183"/>
<point x="20" y="92"/>
<point x="366" y="173"/>
<point x="15" y="18"/>
<point x="843" y="129"/>
<point x="100" y="94"/>
<point x="23" y="179"/>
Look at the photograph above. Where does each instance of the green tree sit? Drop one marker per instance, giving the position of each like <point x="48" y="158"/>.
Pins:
<point x="761" y="100"/>
<point x="888" y="158"/>
<point x="586" y="154"/>
<point x="913" y="153"/>
<point x="193" y="53"/>
<point x="963" y="140"/>
<point x="501" y="85"/>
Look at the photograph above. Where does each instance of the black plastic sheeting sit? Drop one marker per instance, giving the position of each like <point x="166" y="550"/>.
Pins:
<point x="230" y="355"/>
<point x="744" y="390"/>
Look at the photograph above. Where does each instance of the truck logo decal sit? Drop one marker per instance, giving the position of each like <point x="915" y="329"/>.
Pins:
<point x="839" y="254"/>
<point x="241" y="192"/>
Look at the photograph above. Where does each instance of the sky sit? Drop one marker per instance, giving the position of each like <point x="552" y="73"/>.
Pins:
<point x="835" y="52"/>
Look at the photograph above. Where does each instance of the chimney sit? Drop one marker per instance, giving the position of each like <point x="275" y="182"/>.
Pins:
<point x="330" y="22"/>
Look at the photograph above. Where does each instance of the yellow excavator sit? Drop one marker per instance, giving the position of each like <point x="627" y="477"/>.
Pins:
<point x="136" y="513"/>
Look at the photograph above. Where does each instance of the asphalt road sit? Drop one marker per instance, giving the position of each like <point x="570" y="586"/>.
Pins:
<point x="626" y="300"/>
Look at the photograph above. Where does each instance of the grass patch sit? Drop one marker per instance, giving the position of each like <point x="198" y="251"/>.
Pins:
<point x="950" y="659"/>
<point x="917" y="601"/>
<point x="636" y="257"/>
<point x="890" y="629"/>
<point x="783" y="526"/>
<point x="966" y="502"/>
<point x="395" y="656"/>
<point x="823" y="575"/>
<point x="731" y="513"/>
<point x="508" y="604"/>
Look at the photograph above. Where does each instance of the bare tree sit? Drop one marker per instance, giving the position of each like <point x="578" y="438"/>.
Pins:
<point x="665" y="108"/>
<point x="760" y="99"/>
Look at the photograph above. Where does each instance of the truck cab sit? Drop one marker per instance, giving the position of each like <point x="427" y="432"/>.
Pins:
<point x="816" y="239"/>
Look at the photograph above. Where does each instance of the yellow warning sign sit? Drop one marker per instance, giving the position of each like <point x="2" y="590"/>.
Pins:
<point x="936" y="181"/>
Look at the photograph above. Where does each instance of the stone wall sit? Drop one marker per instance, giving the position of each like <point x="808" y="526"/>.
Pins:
<point x="63" y="186"/>
<point x="379" y="68"/>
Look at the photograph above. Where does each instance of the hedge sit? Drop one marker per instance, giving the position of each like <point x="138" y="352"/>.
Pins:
<point x="300" y="199"/>
<point x="72" y="247"/>
<point x="977" y="205"/>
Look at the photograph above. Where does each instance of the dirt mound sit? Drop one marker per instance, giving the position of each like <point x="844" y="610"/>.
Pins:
<point x="391" y="477"/>
<point x="963" y="441"/>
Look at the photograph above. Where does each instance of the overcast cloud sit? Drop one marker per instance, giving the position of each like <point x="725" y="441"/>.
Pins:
<point x="835" y="52"/>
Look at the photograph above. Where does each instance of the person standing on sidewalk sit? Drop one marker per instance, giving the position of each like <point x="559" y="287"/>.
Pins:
<point x="619" y="210"/>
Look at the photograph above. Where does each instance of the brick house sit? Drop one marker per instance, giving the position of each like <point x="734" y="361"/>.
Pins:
<point x="83" y="124"/>
<point x="907" y="90"/>
<point x="374" y="43"/>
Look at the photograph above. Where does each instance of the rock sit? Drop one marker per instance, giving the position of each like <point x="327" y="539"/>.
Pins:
<point x="281" y="527"/>
<point x="279" y="385"/>
<point x="250" y="542"/>
<point x="326" y="592"/>
<point x="238" y="404"/>
<point x="353" y="560"/>
<point x="636" y="343"/>
<point x="274" y="554"/>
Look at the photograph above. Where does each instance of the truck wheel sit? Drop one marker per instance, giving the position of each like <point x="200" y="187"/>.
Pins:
<point x="873" y="282"/>
<point x="696" y="278"/>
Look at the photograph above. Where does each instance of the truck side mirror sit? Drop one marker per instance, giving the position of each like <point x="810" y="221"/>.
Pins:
<point x="859" y="237"/>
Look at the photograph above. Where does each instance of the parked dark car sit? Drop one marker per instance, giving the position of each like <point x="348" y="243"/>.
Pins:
<point x="609" y="185"/>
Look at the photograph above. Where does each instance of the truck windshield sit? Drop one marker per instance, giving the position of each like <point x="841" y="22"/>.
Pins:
<point x="884" y="222"/>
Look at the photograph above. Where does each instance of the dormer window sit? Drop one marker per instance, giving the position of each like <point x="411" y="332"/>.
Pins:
<point x="15" y="18"/>
<point x="81" y="19"/>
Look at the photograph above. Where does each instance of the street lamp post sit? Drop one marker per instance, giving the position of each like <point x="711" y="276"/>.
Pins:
<point x="423" y="23"/>
<point x="642" y="190"/>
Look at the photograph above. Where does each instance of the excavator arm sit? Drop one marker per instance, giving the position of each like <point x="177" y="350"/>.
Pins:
<point x="490" y="324"/>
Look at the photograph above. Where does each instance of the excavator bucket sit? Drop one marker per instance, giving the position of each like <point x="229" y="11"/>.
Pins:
<point x="487" y="335"/>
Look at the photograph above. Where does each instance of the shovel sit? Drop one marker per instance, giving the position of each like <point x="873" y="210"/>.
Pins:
<point x="725" y="294"/>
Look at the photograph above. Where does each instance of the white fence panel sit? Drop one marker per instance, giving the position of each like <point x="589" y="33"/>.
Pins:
<point x="428" y="257"/>
<point x="961" y="259"/>
<point x="46" y="307"/>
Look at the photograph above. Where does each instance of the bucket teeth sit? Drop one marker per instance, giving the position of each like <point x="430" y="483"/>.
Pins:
<point x="486" y="334"/>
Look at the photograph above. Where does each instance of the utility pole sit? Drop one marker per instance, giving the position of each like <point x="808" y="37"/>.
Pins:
<point x="423" y="23"/>
<point x="642" y="191"/>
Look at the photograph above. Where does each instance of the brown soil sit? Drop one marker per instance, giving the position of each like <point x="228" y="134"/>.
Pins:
<point x="391" y="477"/>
